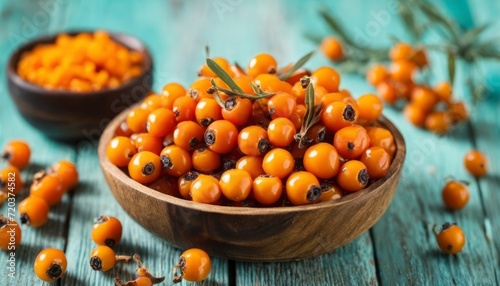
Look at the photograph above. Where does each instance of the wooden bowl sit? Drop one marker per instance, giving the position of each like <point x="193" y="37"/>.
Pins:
<point x="66" y="115"/>
<point x="253" y="234"/>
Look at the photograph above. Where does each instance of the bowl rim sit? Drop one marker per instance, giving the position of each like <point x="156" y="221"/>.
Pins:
<point x="121" y="38"/>
<point x="120" y="175"/>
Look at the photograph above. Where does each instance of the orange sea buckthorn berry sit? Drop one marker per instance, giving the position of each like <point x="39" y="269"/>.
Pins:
<point x="253" y="141"/>
<point x="251" y="164"/>
<point x="332" y="97"/>
<point x="143" y="272"/>
<point x="34" y="211"/>
<point x="318" y="133"/>
<point x="10" y="234"/>
<point x="267" y="189"/>
<point x="107" y="231"/>
<point x="281" y="131"/>
<point x="161" y="122"/>
<point x="455" y="195"/>
<point x="148" y="142"/>
<point x="438" y="122"/>
<point x="351" y="141"/>
<point x="17" y="153"/>
<point x="387" y="92"/>
<point x="332" y="48"/>
<point x="370" y="107"/>
<point x="244" y="82"/>
<point x="451" y="238"/>
<point x="476" y="163"/>
<point x="66" y="172"/>
<point x="326" y="77"/>
<point x="298" y="116"/>
<point x="10" y="182"/>
<point x="205" y="189"/>
<point x="278" y="162"/>
<point x="123" y="130"/>
<point x="207" y="111"/>
<point x="205" y="160"/>
<point x="47" y="187"/>
<point x="299" y="92"/>
<point x="236" y="184"/>
<point x="184" y="108"/>
<point x="222" y="62"/>
<point x="170" y="93"/>
<point x="137" y="120"/>
<point x="458" y="112"/>
<point x="221" y="136"/>
<point x="50" y="264"/>
<point x="175" y="160"/>
<point x="424" y="98"/>
<point x="401" y="51"/>
<point x="266" y="80"/>
<point x="353" y="176"/>
<point x="402" y="70"/>
<point x="281" y="105"/>
<point x="198" y="89"/>
<point x="120" y="150"/>
<point x="139" y="281"/>
<point x="382" y="137"/>
<point x="377" y="161"/>
<point x="188" y="135"/>
<point x="145" y="167"/>
<point x="322" y="160"/>
<point x="414" y="114"/>
<point x="444" y="92"/>
<point x="420" y="58"/>
<point x="184" y="183"/>
<point x="303" y="188"/>
<point x="278" y="86"/>
<point x="262" y="64"/>
<point x="338" y="115"/>
<point x="103" y="258"/>
<point x="237" y="110"/>
<point x="152" y="102"/>
<point x="330" y="193"/>
<point x="377" y="74"/>
<point x="194" y="265"/>
<point x="166" y="185"/>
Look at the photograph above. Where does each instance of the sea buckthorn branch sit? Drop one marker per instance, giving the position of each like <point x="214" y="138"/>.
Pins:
<point x="223" y="75"/>
<point x="312" y="116"/>
<point x="302" y="61"/>
<point x="240" y="94"/>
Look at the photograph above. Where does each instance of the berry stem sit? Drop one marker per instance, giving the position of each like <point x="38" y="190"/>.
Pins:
<point x="125" y="258"/>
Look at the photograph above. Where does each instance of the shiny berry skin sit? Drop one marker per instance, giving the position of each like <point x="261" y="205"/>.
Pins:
<point x="455" y="195"/>
<point x="377" y="162"/>
<point x="387" y="92"/>
<point x="34" y="211"/>
<point x="281" y="131"/>
<point x="303" y="188"/>
<point x="444" y="91"/>
<point x="353" y="176"/>
<point x="188" y="135"/>
<point x="17" y="153"/>
<point x="50" y="264"/>
<point x="49" y="188"/>
<point x="148" y="142"/>
<point x="438" y="122"/>
<point x="351" y="141"/>
<point x="66" y="172"/>
<point x="377" y="74"/>
<point x="205" y="160"/>
<point x="476" y="163"/>
<point x="278" y="162"/>
<point x="237" y="110"/>
<point x="402" y="71"/>
<point x="424" y="98"/>
<point x="184" y="184"/>
<point x="267" y="189"/>
<point x="332" y="97"/>
<point x="451" y="238"/>
<point x="194" y="264"/>
<point x="145" y="167"/>
<point x="207" y="111"/>
<point x="137" y="120"/>
<point x="281" y="105"/>
<point x="184" y="108"/>
<point x="322" y="160"/>
<point x="262" y="64"/>
<point x="10" y="181"/>
<point x="205" y="189"/>
<point x="102" y="258"/>
<point x="331" y="193"/>
<point x="370" y="107"/>
<point x="382" y="137"/>
<point x="198" y="89"/>
<point x="170" y="93"/>
<point x="175" y="161"/>
<point x="120" y="150"/>
<point x="236" y="184"/>
<point x="332" y="48"/>
<point x="251" y="164"/>
<point x="161" y="122"/>
<point x="107" y="231"/>
<point x="414" y="114"/>
<point x="221" y="136"/>
<point x="401" y="51"/>
<point x="152" y="102"/>
<point x="338" y="115"/>
<point x="253" y="141"/>
<point x="10" y="234"/>
<point x="326" y="77"/>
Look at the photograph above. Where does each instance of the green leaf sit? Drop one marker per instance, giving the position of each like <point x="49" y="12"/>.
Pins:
<point x="309" y="101"/>
<point x="296" y="66"/>
<point x="315" y="39"/>
<point x="408" y="19"/>
<point x="335" y="27"/>
<point x="451" y="67"/>
<point x="434" y="14"/>
<point x="222" y="74"/>
<point x="471" y="36"/>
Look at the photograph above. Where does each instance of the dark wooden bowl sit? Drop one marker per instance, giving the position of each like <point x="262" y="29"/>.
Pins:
<point x="68" y="116"/>
<point x="253" y="234"/>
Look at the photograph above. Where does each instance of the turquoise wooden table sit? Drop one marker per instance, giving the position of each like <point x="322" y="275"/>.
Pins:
<point x="399" y="250"/>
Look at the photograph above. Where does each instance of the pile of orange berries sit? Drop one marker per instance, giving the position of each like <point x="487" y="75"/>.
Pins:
<point x="259" y="143"/>
<point x="431" y="107"/>
<point x="81" y="63"/>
